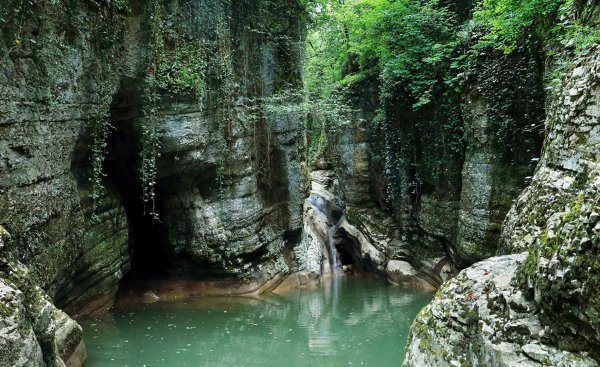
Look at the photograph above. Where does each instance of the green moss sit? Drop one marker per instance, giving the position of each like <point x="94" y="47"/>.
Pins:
<point x="420" y="330"/>
<point x="495" y="227"/>
<point x="183" y="71"/>
<point x="527" y="272"/>
<point x="180" y="65"/>
<point x="354" y="217"/>
<point x="6" y="309"/>
<point x="575" y="252"/>
<point x="575" y="209"/>
<point x="4" y="234"/>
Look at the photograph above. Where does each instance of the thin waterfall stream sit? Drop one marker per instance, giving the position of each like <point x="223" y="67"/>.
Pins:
<point x="332" y="223"/>
<point x="331" y="232"/>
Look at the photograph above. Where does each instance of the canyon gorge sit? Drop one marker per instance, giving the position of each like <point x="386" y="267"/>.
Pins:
<point x="160" y="148"/>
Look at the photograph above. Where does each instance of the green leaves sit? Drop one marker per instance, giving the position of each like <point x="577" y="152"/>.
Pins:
<point x="407" y="44"/>
<point x="411" y="52"/>
<point x="182" y="70"/>
<point x="420" y="40"/>
<point x="509" y="22"/>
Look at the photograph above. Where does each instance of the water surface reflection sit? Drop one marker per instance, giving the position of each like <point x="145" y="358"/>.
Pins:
<point x="349" y="321"/>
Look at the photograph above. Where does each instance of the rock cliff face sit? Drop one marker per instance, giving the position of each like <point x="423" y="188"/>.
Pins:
<point x="209" y="84"/>
<point x="415" y="209"/>
<point x="47" y="98"/>
<point x="536" y="308"/>
<point x="229" y="184"/>
<point x="503" y="131"/>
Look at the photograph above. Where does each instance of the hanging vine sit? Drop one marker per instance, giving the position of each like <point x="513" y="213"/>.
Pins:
<point x="99" y="130"/>
<point x="106" y="34"/>
<point x="150" y="144"/>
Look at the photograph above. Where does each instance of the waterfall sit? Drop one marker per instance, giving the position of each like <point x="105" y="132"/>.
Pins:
<point x="335" y="267"/>
<point x="320" y="205"/>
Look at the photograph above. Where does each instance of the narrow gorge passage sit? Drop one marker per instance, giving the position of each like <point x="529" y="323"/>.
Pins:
<point x="299" y="182"/>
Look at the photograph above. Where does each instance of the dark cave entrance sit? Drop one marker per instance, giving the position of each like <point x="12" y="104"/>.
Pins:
<point x="346" y="255"/>
<point x="349" y="254"/>
<point x="122" y="168"/>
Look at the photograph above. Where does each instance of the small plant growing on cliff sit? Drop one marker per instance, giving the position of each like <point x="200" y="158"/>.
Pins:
<point x="150" y="145"/>
<point x="99" y="130"/>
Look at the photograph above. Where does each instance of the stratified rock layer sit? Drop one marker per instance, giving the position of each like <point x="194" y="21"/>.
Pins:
<point x="230" y="182"/>
<point x="540" y="308"/>
<point x="480" y="319"/>
<point x="230" y="179"/>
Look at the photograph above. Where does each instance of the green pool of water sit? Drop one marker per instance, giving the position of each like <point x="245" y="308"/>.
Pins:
<point x="349" y="321"/>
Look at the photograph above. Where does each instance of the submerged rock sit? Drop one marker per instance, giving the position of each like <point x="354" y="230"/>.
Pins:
<point x="150" y="297"/>
<point x="402" y="273"/>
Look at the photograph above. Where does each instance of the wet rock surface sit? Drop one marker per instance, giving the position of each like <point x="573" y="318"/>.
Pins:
<point x="33" y="332"/>
<point x="535" y="308"/>
<point x="480" y="319"/>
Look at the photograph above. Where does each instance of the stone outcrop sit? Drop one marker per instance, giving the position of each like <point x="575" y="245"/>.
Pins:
<point x="238" y="229"/>
<point x="364" y="238"/>
<point x="33" y="332"/>
<point x="480" y="319"/>
<point x="536" y="308"/>
<point x="17" y="339"/>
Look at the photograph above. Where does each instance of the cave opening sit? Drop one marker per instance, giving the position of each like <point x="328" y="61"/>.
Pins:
<point x="122" y="169"/>
<point x="349" y="254"/>
<point x="346" y="258"/>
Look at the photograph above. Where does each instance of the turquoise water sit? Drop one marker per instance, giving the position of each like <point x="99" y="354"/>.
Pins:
<point x="349" y="321"/>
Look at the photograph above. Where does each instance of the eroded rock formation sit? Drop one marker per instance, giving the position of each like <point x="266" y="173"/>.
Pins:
<point x="229" y="190"/>
<point x="239" y="208"/>
<point x="535" y="308"/>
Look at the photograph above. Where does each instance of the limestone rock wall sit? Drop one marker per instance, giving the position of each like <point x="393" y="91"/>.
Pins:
<point x="503" y="133"/>
<point x="436" y="183"/>
<point x="49" y="91"/>
<point x="535" y="308"/>
<point x="230" y="182"/>
<point x="231" y="191"/>
<point x="557" y="217"/>
<point x="230" y="178"/>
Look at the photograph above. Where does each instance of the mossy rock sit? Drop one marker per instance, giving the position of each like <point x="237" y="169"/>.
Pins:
<point x="4" y="235"/>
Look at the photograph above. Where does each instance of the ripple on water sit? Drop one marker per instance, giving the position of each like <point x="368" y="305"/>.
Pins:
<point x="349" y="321"/>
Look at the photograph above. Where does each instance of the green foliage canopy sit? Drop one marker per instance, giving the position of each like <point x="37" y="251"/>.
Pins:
<point x="409" y="43"/>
